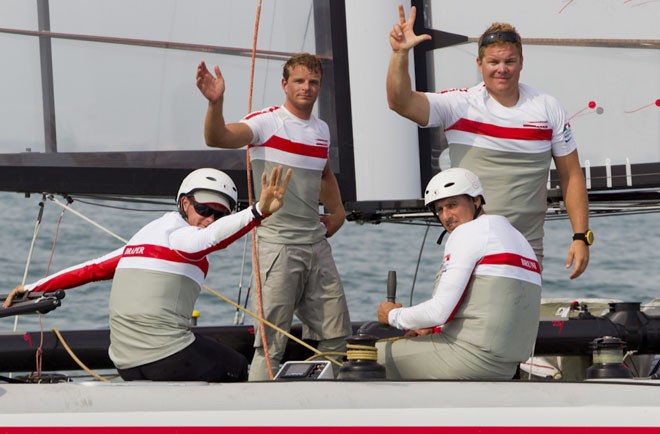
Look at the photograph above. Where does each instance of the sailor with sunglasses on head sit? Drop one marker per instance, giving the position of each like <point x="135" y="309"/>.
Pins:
<point x="504" y="131"/>
<point x="157" y="277"/>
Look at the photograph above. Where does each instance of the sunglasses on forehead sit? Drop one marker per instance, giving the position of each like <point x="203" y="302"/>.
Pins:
<point x="491" y="38"/>
<point x="207" y="211"/>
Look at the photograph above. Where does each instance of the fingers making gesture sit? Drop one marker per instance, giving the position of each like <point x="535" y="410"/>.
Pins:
<point x="273" y="190"/>
<point x="402" y="36"/>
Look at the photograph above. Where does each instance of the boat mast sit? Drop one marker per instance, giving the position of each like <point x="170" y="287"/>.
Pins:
<point x="46" y="61"/>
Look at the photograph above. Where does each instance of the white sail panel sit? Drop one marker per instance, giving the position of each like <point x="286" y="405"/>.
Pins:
<point x="112" y="95"/>
<point x="386" y="146"/>
<point x="608" y="83"/>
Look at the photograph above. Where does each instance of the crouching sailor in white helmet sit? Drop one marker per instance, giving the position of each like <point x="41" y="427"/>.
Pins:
<point x="157" y="277"/>
<point x="483" y="316"/>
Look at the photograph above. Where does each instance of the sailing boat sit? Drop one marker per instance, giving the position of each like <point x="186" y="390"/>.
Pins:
<point x="121" y="117"/>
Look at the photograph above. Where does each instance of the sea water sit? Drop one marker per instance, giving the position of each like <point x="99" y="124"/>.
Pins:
<point x="625" y="260"/>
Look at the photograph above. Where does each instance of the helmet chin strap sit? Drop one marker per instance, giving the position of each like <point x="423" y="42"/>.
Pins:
<point x="442" y="235"/>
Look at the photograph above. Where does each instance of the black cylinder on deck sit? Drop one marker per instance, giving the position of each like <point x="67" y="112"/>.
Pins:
<point x="624" y="320"/>
<point x="610" y="366"/>
<point x="361" y="369"/>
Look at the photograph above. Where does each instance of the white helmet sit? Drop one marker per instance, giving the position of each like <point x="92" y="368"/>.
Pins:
<point x="215" y="185"/>
<point x="453" y="182"/>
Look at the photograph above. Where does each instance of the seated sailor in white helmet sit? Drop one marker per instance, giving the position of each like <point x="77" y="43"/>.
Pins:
<point x="157" y="277"/>
<point x="482" y="318"/>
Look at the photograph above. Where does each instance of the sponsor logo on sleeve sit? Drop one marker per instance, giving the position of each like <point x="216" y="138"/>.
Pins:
<point x="568" y="135"/>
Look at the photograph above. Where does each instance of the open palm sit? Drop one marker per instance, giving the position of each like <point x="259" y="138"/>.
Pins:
<point x="273" y="190"/>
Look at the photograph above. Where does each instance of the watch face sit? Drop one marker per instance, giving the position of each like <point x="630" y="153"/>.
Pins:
<point x="589" y="237"/>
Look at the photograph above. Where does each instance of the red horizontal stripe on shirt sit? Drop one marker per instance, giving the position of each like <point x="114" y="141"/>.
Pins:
<point x="303" y="149"/>
<point x="484" y="129"/>
<point x="513" y="260"/>
<point x="159" y="252"/>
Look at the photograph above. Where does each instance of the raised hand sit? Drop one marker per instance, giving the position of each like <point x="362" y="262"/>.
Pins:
<point x="212" y="87"/>
<point x="402" y="36"/>
<point x="273" y="190"/>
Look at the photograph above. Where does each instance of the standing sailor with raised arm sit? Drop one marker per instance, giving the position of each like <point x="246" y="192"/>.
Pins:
<point x="297" y="270"/>
<point x="502" y="130"/>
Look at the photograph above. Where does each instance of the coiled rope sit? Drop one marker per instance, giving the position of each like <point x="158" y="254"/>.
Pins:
<point x="361" y="352"/>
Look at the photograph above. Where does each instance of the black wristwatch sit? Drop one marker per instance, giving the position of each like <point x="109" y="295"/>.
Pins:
<point x="256" y="213"/>
<point x="587" y="237"/>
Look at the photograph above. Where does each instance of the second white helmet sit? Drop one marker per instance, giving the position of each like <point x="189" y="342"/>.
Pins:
<point x="453" y="182"/>
<point x="210" y="181"/>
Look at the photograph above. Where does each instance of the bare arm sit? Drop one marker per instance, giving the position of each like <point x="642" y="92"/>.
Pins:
<point x="217" y="133"/>
<point x="400" y="96"/>
<point x="331" y="200"/>
<point x="577" y="204"/>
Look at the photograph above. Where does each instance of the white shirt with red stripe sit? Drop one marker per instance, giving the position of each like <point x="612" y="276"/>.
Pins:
<point x="157" y="280"/>
<point x="486" y="246"/>
<point x="509" y="148"/>
<point x="280" y="138"/>
<point x="168" y="244"/>
<point x="537" y="123"/>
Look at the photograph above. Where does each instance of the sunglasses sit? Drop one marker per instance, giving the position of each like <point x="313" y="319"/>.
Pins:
<point x="207" y="211"/>
<point x="491" y="38"/>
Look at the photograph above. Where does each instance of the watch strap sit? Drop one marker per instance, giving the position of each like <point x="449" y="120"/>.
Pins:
<point x="256" y="212"/>
<point x="587" y="237"/>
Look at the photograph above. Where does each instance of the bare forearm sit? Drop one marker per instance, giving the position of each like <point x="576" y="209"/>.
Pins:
<point x="214" y="125"/>
<point x="219" y="134"/>
<point x="331" y="199"/>
<point x="398" y="83"/>
<point x="574" y="192"/>
<point x="400" y="96"/>
<point x="577" y="205"/>
<point x="330" y="195"/>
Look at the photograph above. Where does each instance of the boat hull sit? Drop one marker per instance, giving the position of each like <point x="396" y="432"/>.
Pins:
<point x="463" y="406"/>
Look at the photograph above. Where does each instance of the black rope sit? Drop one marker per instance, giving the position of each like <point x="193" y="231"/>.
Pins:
<point x="123" y="208"/>
<point x="419" y="259"/>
